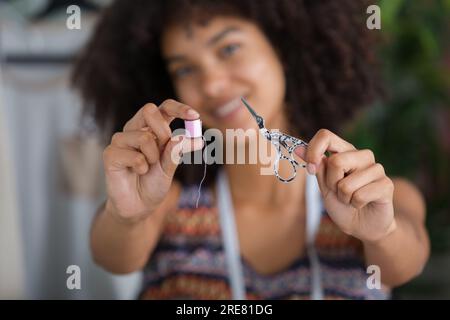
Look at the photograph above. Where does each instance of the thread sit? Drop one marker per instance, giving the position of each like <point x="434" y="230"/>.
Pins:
<point x="204" y="175"/>
<point x="194" y="130"/>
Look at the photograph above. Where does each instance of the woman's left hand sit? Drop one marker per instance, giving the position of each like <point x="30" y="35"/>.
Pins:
<point x="356" y="192"/>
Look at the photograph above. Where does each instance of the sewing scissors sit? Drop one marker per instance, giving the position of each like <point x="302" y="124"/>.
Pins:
<point x="280" y="141"/>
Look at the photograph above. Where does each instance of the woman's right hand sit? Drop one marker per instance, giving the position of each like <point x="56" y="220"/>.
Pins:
<point x="141" y="160"/>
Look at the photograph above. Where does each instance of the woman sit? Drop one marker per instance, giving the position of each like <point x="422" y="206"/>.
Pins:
<point x="306" y="67"/>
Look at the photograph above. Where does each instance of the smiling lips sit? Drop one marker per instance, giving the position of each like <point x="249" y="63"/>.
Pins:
<point x="228" y="108"/>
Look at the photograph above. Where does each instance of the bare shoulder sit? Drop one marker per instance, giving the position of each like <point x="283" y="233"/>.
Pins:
<point x="408" y="198"/>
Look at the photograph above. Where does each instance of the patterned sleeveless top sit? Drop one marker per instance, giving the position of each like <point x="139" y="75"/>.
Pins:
<point x="189" y="261"/>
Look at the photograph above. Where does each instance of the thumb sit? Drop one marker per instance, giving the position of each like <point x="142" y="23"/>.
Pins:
<point x="301" y="152"/>
<point x="320" y="170"/>
<point x="172" y="154"/>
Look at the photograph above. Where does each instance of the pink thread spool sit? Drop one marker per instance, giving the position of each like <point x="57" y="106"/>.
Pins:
<point x="193" y="128"/>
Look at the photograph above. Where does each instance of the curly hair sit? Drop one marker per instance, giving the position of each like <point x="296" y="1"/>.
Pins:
<point x="324" y="45"/>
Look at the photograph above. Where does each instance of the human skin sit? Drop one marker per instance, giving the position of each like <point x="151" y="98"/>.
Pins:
<point x="212" y="66"/>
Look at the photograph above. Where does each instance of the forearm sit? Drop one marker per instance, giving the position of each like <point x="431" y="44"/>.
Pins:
<point x="402" y="254"/>
<point x="120" y="246"/>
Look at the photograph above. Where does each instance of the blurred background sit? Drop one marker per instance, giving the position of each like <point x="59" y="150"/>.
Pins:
<point x="50" y="159"/>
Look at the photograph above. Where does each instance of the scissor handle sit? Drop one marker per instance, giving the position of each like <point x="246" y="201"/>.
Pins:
<point x="290" y="144"/>
<point x="276" y="165"/>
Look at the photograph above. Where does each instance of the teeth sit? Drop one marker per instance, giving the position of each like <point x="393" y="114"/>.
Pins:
<point x="229" y="107"/>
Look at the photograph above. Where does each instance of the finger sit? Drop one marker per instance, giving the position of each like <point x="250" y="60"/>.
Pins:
<point x="172" y="109"/>
<point x="341" y="164"/>
<point x="151" y="117"/>
<point x="171" y="156"/>
<point x="321" y="173"/>
<point x="192" y="144"/>
<point x="355" y="181"/>
<point x="379" y="192"/>
<point x="141" y="140"/>
<point x="117" y="159"/>
<point x="174" y="151"/>
<point x="324" y="140"/>
<point x="138" y="122"/>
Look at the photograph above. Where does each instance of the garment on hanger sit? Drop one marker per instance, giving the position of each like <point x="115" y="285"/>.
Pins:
<point x="55" y="206"/>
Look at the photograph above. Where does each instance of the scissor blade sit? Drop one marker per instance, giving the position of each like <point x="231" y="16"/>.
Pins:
<point x="254" y="114"/>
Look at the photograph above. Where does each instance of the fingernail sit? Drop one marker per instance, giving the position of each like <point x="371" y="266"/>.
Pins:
<point x="311" y="168"/>
<point x="301" y="152"/>
<point x="193" y="113"/>
<point x="178" y="138"/>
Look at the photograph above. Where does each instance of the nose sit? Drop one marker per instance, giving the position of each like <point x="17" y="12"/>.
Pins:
<point x="214" y="81"/>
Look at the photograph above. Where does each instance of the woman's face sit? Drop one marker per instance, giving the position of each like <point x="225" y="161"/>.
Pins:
<point x="215" y="64"/>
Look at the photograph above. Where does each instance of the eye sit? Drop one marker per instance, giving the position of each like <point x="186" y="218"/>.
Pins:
<point x="182" y="72"/>
<point x="230" y="49"/>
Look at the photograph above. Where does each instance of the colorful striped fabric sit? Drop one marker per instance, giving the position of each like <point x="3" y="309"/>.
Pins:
<point x="189" y="261"/>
